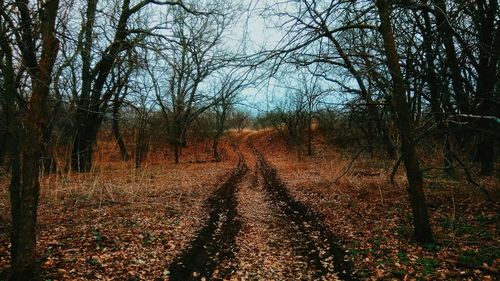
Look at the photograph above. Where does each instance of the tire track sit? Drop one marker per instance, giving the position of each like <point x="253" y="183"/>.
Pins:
<point x="265" y="253"/>
<point x="215" y="242"/>
<point x="324" y="255"/>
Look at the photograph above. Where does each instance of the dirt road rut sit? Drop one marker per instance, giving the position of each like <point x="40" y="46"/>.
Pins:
<point x="257" y="231"/>
<point x="215" y="241"/>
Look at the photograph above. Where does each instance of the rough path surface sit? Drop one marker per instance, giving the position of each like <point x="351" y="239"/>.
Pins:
<point x="310" y="238"/>
<point x="215" y="242"/>
<point x="264" y="253"/>
<point x="257" y="231"/>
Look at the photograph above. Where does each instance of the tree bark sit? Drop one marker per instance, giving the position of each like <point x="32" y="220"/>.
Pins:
<point x="27" y="130"/>
<point x="309" y="134"/>
<point x="116" y="131"/>
<point x="140" y="146"/>
<point x="83" y="145"/>
<point x="489" y="55"/>
<point x="3" y="141"/>
<point x="373" y="111"/>
<point x="422" y="228"/>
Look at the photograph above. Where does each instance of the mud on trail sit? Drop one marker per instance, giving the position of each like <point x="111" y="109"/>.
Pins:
<point x="215" y="242"/>
<point x="324" y="255"/>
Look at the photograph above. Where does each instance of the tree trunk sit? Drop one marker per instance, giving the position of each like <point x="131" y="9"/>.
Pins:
<point x="386" y="139"/>
<point x="81" y="157"/>
<point x="24" y="194"/>
<point x="93" y="103"/>
<point x="26" y="130"/>
<point x="140" y="147"/>
<point x="489" y="56"/>
<point x="435" y="87"/>
<point x="84" y="140"/>
<point x="446" y="32"/>
<point x="219" y="130"/>
<point x="3" y="142"/>
<point x="373" y="112"/>
<point x="215" y="149"/>
<point x="177" y="152"/>
<point x="422" y="228"/>
<point x="309" y="130"/>
<point x="215" y="143"/>
<point x="116" y="131"/>
<point x="177" y="138"/>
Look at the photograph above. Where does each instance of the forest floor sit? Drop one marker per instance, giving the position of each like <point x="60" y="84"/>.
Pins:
<point x="263" y="213"/>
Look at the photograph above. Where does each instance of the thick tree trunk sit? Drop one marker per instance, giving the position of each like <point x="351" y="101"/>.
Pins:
<point x="422" y="228"/>
<point x="84" y="140"/>
<point x="24" y="195"/>
<point x="3" y="142"/>
<point x="489" y="56"/>
<point x="93" y="102"/>
<point x="81" y="156"/>
<point x="26" y="131"/>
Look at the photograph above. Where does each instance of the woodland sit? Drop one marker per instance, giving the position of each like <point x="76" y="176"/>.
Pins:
<point x="249" y="140"/>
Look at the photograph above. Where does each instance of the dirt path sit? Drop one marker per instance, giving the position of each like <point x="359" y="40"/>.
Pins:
<point x="257" y="231"/>
<point x="310" y="238"/>
<point x="263" y="252"/>
<point x="215" y="242"/>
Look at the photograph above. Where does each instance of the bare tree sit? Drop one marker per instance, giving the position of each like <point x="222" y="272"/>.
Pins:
<point x="226" y="88"/>
<point x="33" y="32"/>
<point x="193" y="54"/>
<point x="422" y="228"/>
<point x="292" y="112"/>
<point x="330" y="36"/>
<point x="239" y="120"/>
<point x="94" y="98"/>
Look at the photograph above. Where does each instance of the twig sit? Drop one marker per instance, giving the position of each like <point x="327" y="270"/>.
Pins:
<point x="488" y="269"/>
<point x="350" y="164"/>
<point x="471" y="180"/>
